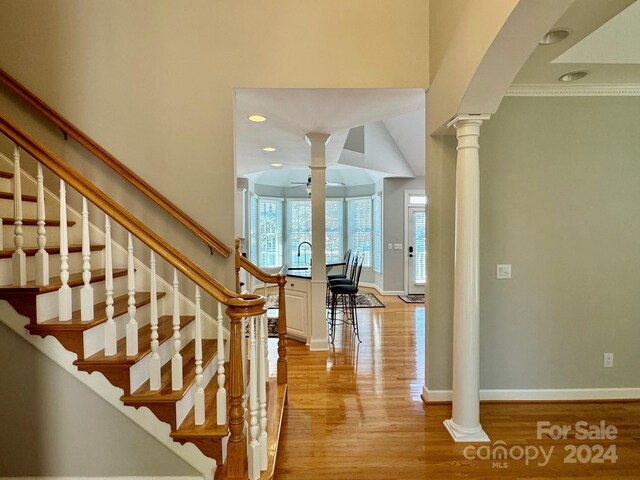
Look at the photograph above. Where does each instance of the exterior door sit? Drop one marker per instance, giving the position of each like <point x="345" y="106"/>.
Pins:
<point x="417" y="251"/>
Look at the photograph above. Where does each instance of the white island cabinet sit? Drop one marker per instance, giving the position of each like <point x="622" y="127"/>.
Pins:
<point x="297" y="295"/>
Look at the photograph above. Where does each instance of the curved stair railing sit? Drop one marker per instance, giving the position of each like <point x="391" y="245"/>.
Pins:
<point x="129" y="175"/>
<point x="220" y="386"/>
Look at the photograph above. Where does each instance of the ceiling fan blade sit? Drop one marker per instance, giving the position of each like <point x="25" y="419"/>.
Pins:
<point x="336" y="184"/>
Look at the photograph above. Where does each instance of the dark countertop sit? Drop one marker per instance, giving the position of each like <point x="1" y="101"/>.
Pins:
<point x="305" y="272"/>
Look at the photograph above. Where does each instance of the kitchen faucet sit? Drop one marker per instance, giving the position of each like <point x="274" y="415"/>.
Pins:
<point x="300" y="247"/>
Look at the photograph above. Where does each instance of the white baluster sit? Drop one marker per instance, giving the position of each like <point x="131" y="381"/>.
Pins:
<point x="86" y="293"/>
<point x="253" y="453"/>
<point x="64" y="293"/>
<point x="110" y="333"/>
<point x="199" y="395"/>
<point x="132" y="324"/>
<point x="262" y="390"/>
<point x="154" y="362"/>
<point x="19" y="259"/>
<point x="176" y="361"/>
<point x="221" y="395"/>
<point x="265" y="340"/>
<point x="42" y="256"/>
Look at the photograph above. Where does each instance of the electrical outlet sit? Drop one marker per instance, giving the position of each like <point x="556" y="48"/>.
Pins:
<point x="503" y="272"/>
<point x="390" y="246"/>
<point x="608" y="360"/>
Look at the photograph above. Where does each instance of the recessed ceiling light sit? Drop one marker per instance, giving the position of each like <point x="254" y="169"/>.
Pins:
<point x="257" y="118"/>
<point x="268" y="149"/>
<point x="571" y="76"/>
<point x="554" y="36"/>
<point x="276" y="164"/>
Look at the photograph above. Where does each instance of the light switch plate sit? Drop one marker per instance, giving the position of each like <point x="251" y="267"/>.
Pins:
<point x="390" y="246"/>
<point x="397" y="246"/>
<point x="503" y="272"/>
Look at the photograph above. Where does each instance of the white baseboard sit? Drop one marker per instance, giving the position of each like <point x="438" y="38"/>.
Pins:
<point x="380" y="291"/>
<point x="576" y="394"/>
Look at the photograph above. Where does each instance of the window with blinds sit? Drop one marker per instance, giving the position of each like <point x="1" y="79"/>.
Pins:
<point x="376" y="224"/>
<point x="253" y="229"/>
<point x="334" y="230"/>
<point x="298" y="231"/>
<point x="359" y="228"/>
<point x="270" y="232"/>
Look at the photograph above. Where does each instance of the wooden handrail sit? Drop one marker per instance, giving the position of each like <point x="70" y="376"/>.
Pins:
<point x="250" y="304"/>
<point x="92" y="146"/>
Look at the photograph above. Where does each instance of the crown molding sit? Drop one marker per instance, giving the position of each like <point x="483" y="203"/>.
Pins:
<point x="573" y="91"/>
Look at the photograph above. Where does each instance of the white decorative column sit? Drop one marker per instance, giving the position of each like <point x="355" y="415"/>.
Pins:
<point x="464" y="426"/>
<point x="318" y="338"/>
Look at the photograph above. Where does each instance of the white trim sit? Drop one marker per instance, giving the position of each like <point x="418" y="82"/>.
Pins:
<point x="541" y="394"/>
<point x="407" y="207"/>
<point x="573" y="91"/>
<point x="381" y="292"/>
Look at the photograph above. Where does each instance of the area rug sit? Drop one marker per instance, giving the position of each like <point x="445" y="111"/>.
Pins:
<point x="272" y="327"/>
<point x="412" y="298"/>
<point x="363" y="300"/>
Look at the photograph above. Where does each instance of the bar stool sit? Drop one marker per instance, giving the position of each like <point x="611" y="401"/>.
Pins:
<point x="347" y="294"/>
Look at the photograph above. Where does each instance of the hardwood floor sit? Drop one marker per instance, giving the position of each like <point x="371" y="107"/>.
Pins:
<point x="356" y="413"/>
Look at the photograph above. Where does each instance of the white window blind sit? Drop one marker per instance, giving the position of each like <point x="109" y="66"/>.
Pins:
<point x="377" y="232"/>
<point x="298" y="231"/>
<point x="359" y="228"/>
<point x="253" y="229"/>
<point x="334" y="230"/>
<point x="270" y="232"/>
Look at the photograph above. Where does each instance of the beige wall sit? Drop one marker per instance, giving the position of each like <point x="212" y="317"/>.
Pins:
<point x="54" y="426"/>
<point x="559" y="197"/>
<point x="153" y="80"/>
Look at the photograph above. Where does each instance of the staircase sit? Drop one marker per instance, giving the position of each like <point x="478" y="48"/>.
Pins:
<point x="107" y="305"/>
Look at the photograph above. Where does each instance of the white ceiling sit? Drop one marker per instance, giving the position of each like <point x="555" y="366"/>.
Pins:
<point x="604" y="40"/>
<point x="291" y="113"/>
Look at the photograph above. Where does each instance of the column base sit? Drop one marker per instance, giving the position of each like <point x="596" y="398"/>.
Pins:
<point x="460" y="434"/>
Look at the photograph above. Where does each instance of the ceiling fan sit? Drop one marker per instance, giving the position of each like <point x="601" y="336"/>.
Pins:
<point x="307" y="184"/>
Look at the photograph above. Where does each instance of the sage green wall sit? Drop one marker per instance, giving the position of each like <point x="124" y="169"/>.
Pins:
<point x="54" y="426"/>
<point x="559" y="200"/>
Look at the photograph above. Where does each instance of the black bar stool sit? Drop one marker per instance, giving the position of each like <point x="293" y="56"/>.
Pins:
<point x="347" y="294"/>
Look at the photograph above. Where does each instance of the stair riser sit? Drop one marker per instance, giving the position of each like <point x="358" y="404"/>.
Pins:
<point x="30" y="234"/>
<point x="93" y="339"/>
<point x="6" y="184"/>
<point x="47" y="303"/>
<point x="29" y="209"/>
<point x="184" y="406"/>
<point x="75" y="265"/>
<point x="139" y="373"/>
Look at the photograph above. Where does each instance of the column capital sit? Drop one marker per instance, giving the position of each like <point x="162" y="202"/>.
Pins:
<point x="313" y="137"/>
<point x="468" y="119"/>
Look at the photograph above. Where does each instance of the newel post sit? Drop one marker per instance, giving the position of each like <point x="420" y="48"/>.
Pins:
<point x="237" y="257"/>
<point x="282" y="330"/>
<point x="236" y="464"/>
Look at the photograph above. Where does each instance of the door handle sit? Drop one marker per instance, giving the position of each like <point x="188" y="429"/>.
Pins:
<point x="410" y="251"/>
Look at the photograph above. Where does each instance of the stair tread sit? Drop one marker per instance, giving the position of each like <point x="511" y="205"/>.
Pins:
<point x="75" y="280"/>
<point x="25" y="198"/>
<point x="210" y="429"/>
<point x="4" y="174"/>
<point x="166" y="394"/>
<point x="34" y="221"/>
<point x="165" y="332"/>
<point x="120" y="305"/>
<point x="53" y="250"/>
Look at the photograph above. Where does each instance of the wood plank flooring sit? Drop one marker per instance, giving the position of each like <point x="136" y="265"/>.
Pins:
<point x="356" y="413"/>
